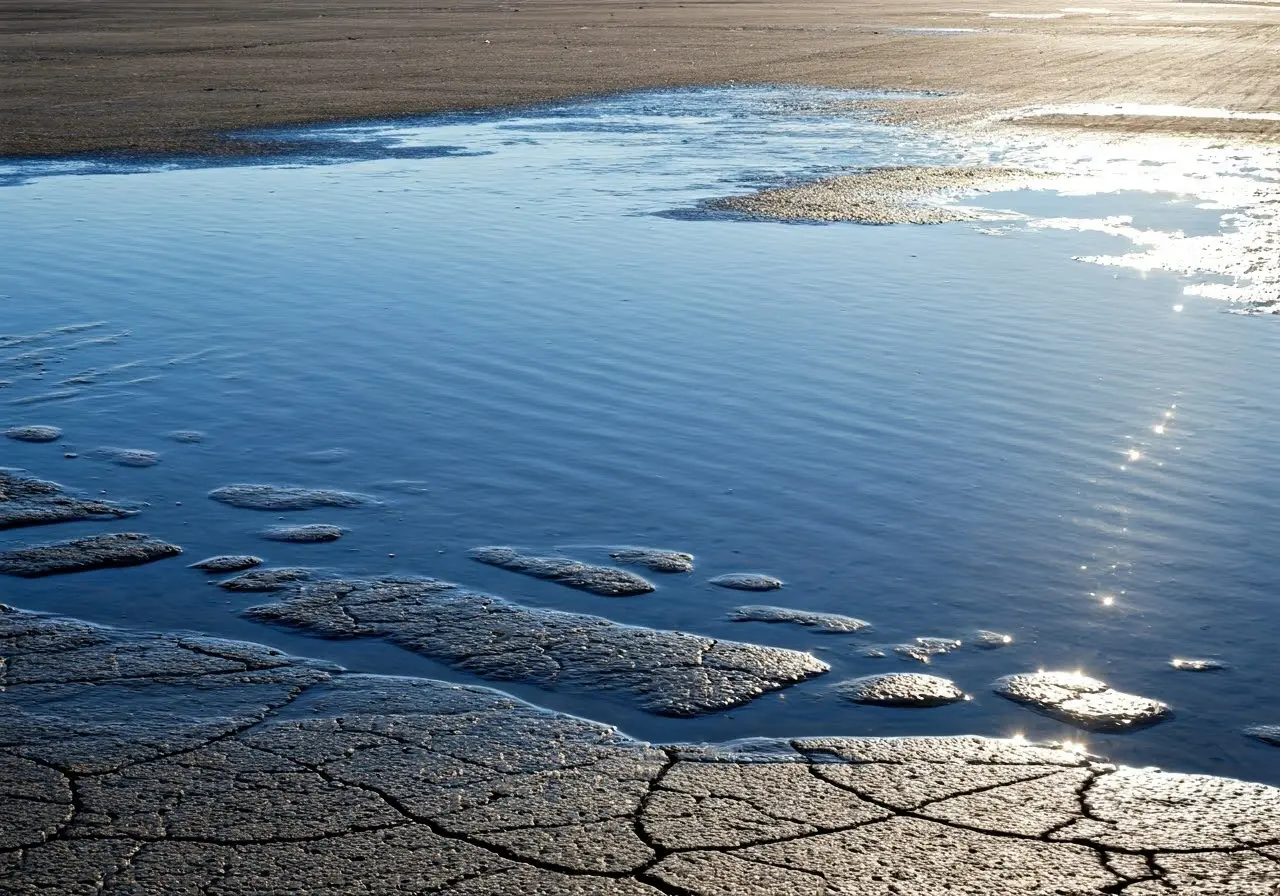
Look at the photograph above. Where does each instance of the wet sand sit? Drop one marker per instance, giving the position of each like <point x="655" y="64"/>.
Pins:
<point x="154" y="77"/>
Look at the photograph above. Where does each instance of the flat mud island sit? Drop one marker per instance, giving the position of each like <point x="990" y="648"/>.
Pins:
<point x="142" y="759"/>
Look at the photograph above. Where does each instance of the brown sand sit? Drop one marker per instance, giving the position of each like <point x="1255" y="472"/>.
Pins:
<point x="80" y="75"/>
<point x="910" y="195"/>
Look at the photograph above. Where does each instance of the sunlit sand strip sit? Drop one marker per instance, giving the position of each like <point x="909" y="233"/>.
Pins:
<point x="897" y="195"/>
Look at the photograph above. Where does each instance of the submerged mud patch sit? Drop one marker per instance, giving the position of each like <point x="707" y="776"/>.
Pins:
<point x="747" y="581"/>
<point x="279" y="497"/>
<point x="665" y="672"/>
<point x="313" y="533"/>
<point x="889" y="195"/>
<point x="85" y="554"/>
<point x="187" y="436"/>
<point x="1082" y="701"/>
<point x="264" y="580"/>
<point x="906" y="689"/>
<point x="35" y="433"/>
<point x="225" y="563"/>
<point x="823" y="622"/>
<point x="27" y="501"/>
<point x="1268" y="734"/>
<point x="654" y="560"/>
<point x="603" y="580"/>
<point x="126" y="457"/>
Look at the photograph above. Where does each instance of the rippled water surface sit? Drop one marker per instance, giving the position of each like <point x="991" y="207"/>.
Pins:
<point x="519" y="329"/>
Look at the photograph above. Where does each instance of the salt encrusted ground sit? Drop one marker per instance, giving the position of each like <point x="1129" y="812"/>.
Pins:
<point x="150" y="764"/>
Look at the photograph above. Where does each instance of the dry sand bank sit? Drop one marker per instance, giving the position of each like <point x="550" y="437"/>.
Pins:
<point x="156" y="77"/>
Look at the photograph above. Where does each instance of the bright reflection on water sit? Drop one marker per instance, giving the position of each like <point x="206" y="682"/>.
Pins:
<point x="937" y="429"/>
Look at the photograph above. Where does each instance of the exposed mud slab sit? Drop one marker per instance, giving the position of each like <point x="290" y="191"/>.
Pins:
<point x="654" y="560"/>
<point x="225" y="563"/>
<point x="603" y="580"/>
<point x="27" y="501"/>
<point x="665" y="672"/>
<point x="1082" y="701"/>
<point x="138" y="764"/>
<point x="897" y="195"/>
<point x="266" y="580"/>
<point x="85" y="554"/>
<point x="833" y="623"/>
<point x="901" y="689"/>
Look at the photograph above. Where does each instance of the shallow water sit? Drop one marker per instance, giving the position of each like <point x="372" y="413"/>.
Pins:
<point x="518" y="329"/>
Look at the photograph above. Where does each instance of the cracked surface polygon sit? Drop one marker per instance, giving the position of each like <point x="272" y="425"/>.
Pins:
<point x="200" y="766"/>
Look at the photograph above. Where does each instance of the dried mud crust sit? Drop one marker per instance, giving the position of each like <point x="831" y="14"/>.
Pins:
<point x="664" y="672"/>
<point x="295" y="776"/>
<point x="891" y="195"/>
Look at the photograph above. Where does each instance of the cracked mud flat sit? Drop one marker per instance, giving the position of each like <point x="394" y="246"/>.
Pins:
<point x="116" y="781"/>
<point x="27" y="501"/>
<point x="277" y="497"/>
<point x="889" y="195"/>
<point x="602" y="580"/>
<point x="118" y="549"/>
<point x="665" y="672"/>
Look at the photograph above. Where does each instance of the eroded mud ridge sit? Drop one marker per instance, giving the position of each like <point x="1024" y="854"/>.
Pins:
<point x="833" y="623"/>
<point x="85" y="554"/>
<point x="665" y="672"/>
<point x="300" y="777"/>
<point x="27" y="501"/>
<point x="891" y="195"/>
<point x="602" y="580"/>
<point x="654" y="560"/>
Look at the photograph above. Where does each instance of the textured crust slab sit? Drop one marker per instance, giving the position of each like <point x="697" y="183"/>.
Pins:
<point x="670" y="673"/>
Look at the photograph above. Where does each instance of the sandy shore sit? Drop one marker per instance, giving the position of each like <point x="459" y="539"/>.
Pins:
<point x="128" y="75"/>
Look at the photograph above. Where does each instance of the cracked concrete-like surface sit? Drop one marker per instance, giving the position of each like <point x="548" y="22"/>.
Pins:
<point x="665" y="672"/>
<point x="163" y="764"/>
